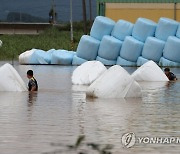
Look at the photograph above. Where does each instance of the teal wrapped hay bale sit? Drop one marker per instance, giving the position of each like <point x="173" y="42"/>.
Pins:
<point x="153" y="49"/>
<point x="88" y="48"/>
<point x="166" y="27"/>
<point x="141" y="60"/>
<point x="143" y="28"/>
<point x="62" y="57"/>
<point x="77" y="60"/>
<point x="131" y="49"/>
<point x="122" y="29"/>
<point x="178" y="32"/>
<point x="172" y="49"/>
<point x="124" y="62"/>
<point x="165" y="62"/>
<point x="109" y="48"/>
<point x="101" y="26"/>
<point x="106" y="61"/>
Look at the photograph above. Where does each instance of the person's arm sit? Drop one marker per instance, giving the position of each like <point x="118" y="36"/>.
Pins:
<point x="33" y="88"/>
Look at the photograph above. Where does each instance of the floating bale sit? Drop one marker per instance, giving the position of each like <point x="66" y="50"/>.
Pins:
<point x="122" y="29"/>
<point x="120" y="85"/>
<point x="165" y="62"/>
<point x="109" y="48"/>
<point x="88" y="48"/>
<point x="105" y="61"/>
<point x="25" y="57"/>
<point x="11" y="80"/>
<point x="150" y="71"/>
<point x="101" y="26"/>
<point x="141" y="61"/>
<point x="153" y="49"/>
<point x="62" y="57"/>
<point x="123" y="62"/>
<point x="172" y="49"/>
<point x="88" y="72"/>
<point x="166" y="27"/>
<point x="77" y="60"/>
<point x="178" y="32"/>
<point x="143" y="28"/>
<point x="131" y="49"/>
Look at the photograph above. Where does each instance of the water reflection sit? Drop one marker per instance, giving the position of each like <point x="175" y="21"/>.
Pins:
<point x="32" y="97"/>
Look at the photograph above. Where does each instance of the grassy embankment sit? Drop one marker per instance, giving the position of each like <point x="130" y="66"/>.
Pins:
<point x="56" y="38"/>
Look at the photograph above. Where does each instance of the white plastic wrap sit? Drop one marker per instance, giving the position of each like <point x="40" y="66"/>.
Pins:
<point x="150" y="71"/>
<point x="1" y="43"/>
<point x="10" y="80"/>
<point x="88" y="72"/>
<point x="114" y="83"/>
<point x="25" y="57"/>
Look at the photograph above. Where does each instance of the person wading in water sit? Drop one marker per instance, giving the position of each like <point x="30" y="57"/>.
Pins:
<point x="32" y="85"/>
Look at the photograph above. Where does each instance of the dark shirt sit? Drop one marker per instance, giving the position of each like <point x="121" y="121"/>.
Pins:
<point x="171" y="76"/>
<point x="32" y="83"/>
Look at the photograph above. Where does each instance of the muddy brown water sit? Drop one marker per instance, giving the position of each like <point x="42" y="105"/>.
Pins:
<point x="53" y="118"/>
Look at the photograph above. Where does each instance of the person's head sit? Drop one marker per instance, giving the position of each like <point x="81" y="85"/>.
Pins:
<point x="166" y="71"/>
<point x="29" y="74"/>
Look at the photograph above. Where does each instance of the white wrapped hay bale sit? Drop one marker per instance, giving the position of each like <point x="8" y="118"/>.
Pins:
<point x="88" y="72"/>
<point x="77" y="60"/>
<point x="150" y="71"/>
<point x="172" y="49"/>
<point x="141" y="61"/>
<point x="143" y="28"/>
<point x="165" y="62"/>
<point x="62" y="57"/>
<point x="131" y="49"/>
<point x="120" y="85"/>
<point x="106" y="61"/>
<point x="122" y="29"/>
<point x="25" y="57"/>
<point x="10" y="79"/>
<point x="1" y="43"/>
<point x="153" y="49"/>
<point x="88" y="48"/>
<point x="109" y="48"/>
<point x="124" y="62"/>
<point x="166" y="27"/>
<point x="101" y="26"/>
<point x="178" y="32"/>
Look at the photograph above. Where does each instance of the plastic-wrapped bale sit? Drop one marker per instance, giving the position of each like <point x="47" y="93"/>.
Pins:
<point x="1" y="43"/>
<point x="143" y="28"/>
<point x="120" y="85"/>
<point x="150" y="71"/>
<point x="123" y="62"/>
<point x="166" y="27"/>
<point x="77" y="60"/>
<point x="105" y="61"/>
<point x="131" y="49"/>
<point x="122" y="29"/>
<point x="172" y="49"/>
<point x="178" y="32"/>
<point x="88" y="72"/>
<point x="141" y="61"/>
<point x="153" y="49"/>
<point x="26" y="57"/>
<point x="109" y="48"/>
<point x="11" y="80"/>
<point x="165" y="62"/>
<point x="62" y="57"/>
<point x="101" y="26"/>
<point x="88" y="47"/>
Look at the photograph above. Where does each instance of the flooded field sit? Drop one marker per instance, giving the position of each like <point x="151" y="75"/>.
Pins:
<point x="47" y="121"/>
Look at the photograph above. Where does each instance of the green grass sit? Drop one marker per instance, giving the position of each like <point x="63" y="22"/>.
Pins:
<point x="13" y="45"/>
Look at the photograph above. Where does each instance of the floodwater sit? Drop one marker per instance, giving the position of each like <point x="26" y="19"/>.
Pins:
<point x="47" y="121"/>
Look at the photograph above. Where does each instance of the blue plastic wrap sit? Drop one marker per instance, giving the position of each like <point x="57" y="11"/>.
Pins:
<point x="141" y="60"/>
<point x="88" y="48"/>
<point x="109" y="48"/>
<point x="101" y="26"/>
<point x="165" y="62"/>
<point x="122" y="29"/>
<point x="153" y="49"/>
<point x="123" y="62"/>
<point x="178" y="32"/>
<point x="131" y="49"/>
<point x="166" y="27"/>
<point x="143" y="28"/>
<point x="172" y="49"/>
<point x="62" y="57"/>
<point x="77" y="60"/>
<point x="105" y="61"/>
